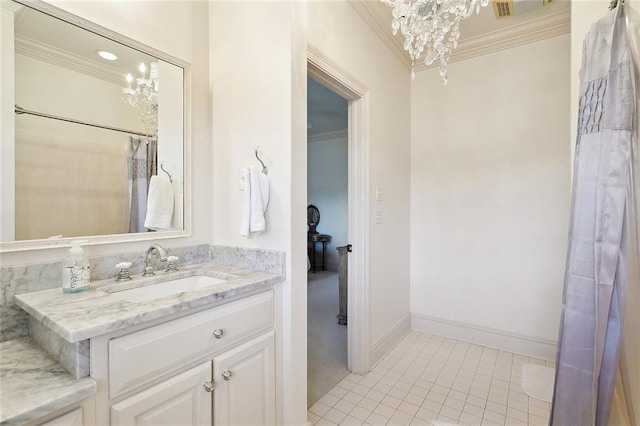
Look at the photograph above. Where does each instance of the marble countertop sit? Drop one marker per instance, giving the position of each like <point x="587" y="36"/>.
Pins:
<point x="33" y="384"/>
<point x="94" y="312"/>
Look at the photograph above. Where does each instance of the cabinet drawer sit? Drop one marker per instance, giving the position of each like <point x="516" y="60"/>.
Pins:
<point x="140" y="357"/>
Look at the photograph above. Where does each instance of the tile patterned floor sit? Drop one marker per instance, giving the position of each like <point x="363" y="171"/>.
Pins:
<point x="430" y="380"/>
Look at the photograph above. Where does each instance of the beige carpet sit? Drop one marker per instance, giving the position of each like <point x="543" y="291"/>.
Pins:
<point x="326" y="340"/>
<point x="537" y="381"/>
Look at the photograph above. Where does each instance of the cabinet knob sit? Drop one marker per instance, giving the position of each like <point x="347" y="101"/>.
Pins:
<point x="226" y="375"/>
<point x="209" y="386"/>
<point x="218" y="333"/>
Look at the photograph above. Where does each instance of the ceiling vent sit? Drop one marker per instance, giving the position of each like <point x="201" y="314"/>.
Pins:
<point x="506" y="8"/>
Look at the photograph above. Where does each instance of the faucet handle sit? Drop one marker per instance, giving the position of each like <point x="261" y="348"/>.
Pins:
<point x="123" y="274"/>
<point x="171" y="263"/>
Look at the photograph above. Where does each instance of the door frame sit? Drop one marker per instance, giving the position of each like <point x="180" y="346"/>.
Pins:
<point x="326" y="72"/>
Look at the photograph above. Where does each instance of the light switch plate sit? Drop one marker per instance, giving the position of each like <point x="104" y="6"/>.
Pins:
<point x="378" y="216"/>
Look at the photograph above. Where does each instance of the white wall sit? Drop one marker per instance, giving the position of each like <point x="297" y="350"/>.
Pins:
<point x="490" y="191"/>
<point x="179" y="28"/>
<point x="266" y="42"/>
<point x="338" y="32"/>
<point x="327" y="183"/>
<point x="258" y="89"/>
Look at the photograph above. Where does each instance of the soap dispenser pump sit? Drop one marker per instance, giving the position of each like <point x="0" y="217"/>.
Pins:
<point x="76" y="271"/>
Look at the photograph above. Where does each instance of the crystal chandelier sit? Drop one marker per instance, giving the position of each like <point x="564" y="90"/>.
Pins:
<point x="431" y="26"/>
<point x="144" y="98"/>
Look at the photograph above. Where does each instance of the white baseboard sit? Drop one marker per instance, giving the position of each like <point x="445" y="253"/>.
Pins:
<point x="535" y="347"/>
<point x="389" y="340"/>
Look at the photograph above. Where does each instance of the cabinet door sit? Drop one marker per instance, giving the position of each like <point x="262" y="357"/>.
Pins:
<point x="245" y="384"/>
<point x="180" y="400"/>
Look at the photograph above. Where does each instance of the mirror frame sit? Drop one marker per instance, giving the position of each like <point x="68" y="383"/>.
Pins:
<point x="39" y="244"/>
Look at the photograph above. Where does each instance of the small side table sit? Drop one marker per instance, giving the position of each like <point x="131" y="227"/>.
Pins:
<point x="313" y="239"/>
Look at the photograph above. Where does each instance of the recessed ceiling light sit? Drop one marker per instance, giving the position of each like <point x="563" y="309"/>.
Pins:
<point x="107" y="55"/>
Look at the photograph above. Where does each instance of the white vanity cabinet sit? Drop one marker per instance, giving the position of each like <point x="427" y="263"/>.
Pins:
<point x="245" y="384"/>
<point x="216" y="366"/>
<point x="180" y="400"/>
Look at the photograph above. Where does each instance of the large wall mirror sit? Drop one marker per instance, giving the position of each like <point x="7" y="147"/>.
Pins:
<point x="94" y="133"/>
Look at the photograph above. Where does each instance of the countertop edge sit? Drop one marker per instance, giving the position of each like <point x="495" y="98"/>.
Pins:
<point x="87" y="387"/>
<point x="212" y="300"/>
<point x="174" y="305"/>
<point x="24" y="368"/>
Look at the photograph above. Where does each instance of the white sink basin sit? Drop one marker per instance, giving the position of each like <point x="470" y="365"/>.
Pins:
<point x="167" y="288"/>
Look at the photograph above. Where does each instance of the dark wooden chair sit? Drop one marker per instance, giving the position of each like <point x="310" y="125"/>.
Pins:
<point x="314" y="237"/>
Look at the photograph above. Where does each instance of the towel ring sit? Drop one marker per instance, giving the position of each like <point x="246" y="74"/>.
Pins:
<point x="264" y="168"/>
<point x="165" y="170"/>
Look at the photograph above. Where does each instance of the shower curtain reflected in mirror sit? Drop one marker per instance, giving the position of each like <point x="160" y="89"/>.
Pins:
<point x="142" y="163"/>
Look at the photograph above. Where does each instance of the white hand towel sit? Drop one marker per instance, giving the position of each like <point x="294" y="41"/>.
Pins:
<point x="256" y="199"/>
<point x="159" y="204"/>
<point x="259" y="199"/>
<point x="246" y="208"/>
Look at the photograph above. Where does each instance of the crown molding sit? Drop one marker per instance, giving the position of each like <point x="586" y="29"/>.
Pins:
<point x="517" y="35"/>
<point x="382" y="29"/>
<point x="52" y="55"/>
<point x="538" y="29"/>
<point x="332" y="134"/>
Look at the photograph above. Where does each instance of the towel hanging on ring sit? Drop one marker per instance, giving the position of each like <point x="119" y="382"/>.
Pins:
<point x="256" y="200"/>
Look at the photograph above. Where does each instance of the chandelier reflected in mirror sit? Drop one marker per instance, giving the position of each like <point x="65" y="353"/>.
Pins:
<point x="431" y="27"/>
<point x="144" y="97"/>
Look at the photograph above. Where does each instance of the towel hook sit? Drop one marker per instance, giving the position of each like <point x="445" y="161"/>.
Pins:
<point x="264" y="168"/>
<point x="165" y="170"/>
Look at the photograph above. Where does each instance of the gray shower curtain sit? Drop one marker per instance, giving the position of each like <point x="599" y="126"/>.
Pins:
<point x="142" y="163"/>
<point x="604" y="225"/>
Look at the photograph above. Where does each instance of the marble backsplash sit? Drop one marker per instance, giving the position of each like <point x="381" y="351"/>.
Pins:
<point x="17" y="279"/>
<point x="271" y="261"/>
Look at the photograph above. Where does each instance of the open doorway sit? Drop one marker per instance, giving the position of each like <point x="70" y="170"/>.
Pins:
<point x="328" y="233"/>
<point x="330" y="75"/>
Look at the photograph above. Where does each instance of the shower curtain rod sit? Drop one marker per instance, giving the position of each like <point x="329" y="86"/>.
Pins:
<point x="20" y="110"/>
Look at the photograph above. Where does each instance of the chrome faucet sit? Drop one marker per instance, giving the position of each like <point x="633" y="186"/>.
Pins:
<point x="148" y="269"/>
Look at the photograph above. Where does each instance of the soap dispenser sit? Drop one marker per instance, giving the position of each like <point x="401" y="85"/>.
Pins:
<point x="76" y="271"/>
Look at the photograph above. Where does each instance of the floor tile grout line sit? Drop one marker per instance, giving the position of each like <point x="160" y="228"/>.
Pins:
<point x="457" y="372"/>
<point x="444" y="354"/>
